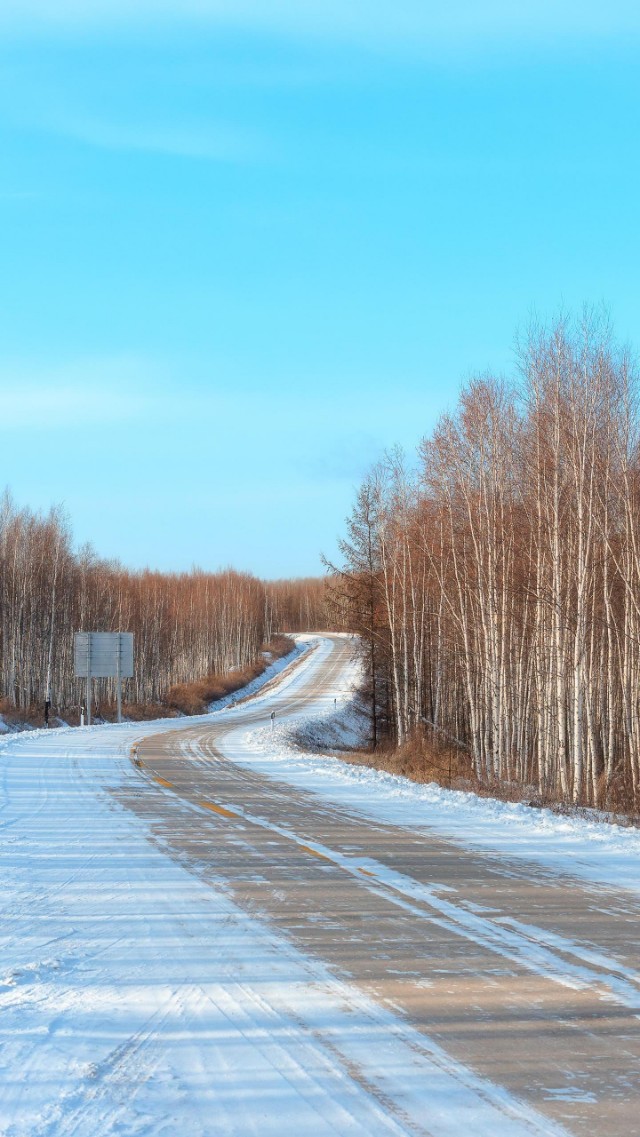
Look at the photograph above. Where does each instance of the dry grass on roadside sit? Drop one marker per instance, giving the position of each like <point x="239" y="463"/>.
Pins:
<point x="420" y="760"/>
<point x="184" y="698"/>
<point x="194" y="698"/>
<point x="423" y="761"/>
<point x="31" y="717"/>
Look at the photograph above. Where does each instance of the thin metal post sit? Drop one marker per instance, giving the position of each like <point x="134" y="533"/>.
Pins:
<point x="88" y="678"/>
<point x="119" y="678"/>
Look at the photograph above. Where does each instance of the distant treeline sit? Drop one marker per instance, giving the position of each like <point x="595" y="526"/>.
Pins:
<point x="497" y="585"/>
<point x="186" y="625"/>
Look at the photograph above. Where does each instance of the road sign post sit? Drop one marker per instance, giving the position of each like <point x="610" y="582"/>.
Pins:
<point x="88" y="674"/>
<point x="103" y="655"/>
<point x="119" y="684"/>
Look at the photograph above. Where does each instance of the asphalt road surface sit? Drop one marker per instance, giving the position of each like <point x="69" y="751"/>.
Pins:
<point x="528" y="977"/>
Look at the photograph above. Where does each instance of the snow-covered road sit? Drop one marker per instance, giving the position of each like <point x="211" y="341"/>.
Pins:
<point x="232" y="938"/>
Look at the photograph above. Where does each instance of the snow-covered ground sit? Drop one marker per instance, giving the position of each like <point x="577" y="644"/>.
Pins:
<point x="304" y="644"/>
<point x="137" y="999"/>
<point x="271" y="672"/>
<point x="596" y="851"/>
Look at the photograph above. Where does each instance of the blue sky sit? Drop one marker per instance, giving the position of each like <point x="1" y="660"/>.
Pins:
<point x="246" y="246"/>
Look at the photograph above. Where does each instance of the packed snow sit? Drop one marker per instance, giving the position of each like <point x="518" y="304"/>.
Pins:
<point x="271" y="672"/>
<point x="592" y="850"/>
<point x="138" y="999"/>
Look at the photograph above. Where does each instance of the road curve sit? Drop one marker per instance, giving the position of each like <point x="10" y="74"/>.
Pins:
<point x="527" y="977"/>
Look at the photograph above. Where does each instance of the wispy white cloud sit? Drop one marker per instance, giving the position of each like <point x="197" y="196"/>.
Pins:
<point x="423" y="23"/>
<point x="19" y="195"/>
<point x="219" y="143"/>
<point x="117" y="119"/>
<point x="113" y="390"/>
<point x="91" y="391"/>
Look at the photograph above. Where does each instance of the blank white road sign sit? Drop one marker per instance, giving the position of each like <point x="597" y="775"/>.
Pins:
<point x="103" y="655"/>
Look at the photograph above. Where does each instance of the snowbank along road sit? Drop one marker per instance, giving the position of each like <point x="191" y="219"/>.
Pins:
<point x="191" y="945"/>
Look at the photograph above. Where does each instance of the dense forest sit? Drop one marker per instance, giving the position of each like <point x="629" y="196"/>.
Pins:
<point x="496" y="583"/>
<point x="186" y="625"/>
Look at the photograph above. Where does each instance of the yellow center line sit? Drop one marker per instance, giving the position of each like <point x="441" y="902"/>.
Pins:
<point x="222" y="812"/>
<point x="229" y="813"/>
<point x="313" y="852"/>
<point x="218" y="809"/>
